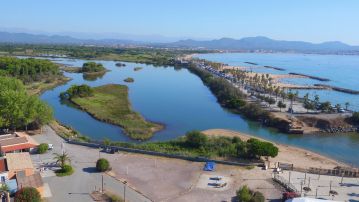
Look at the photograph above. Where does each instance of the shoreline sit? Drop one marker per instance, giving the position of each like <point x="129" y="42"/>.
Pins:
<point x="155" y="128"/>
<point x="301" y="158"/>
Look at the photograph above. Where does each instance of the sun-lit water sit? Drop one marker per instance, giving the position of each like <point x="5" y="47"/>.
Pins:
<point x="342" y="71"/>
<point x="180" y="101"/>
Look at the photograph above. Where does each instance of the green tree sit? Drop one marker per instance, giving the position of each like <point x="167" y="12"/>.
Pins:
<point x="281" y="105"/>
<point x="77" y="91"/>
<point x="347" y="104"/>
<point x="92" y="67"/>
<point x="355" y="117"/>
<point x="42" y="148"/>
<point x="18" y="109"/>
<point x="62" y="159"/>
<point x="196" y="139"/>
<point x="244" y="194"/>
<point x="325" y="106"/>
<point x="102" y="165"/>
<point x="27" y="194"/>
<point x="257" y="197"/>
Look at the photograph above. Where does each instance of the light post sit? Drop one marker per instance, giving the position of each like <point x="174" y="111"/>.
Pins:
<point x="124" y="190"/>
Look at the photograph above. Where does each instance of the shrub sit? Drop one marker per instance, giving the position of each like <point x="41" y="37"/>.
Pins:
<point x="113" y="197"/>
<point x="196" y="139"/>
<point x="42" y="148"/>
<point x="92" y="67"/>
<point x="244" y="194"/>
<point x="66" y="170"/>
<point x="27" y="194"/>
<point x="77" y="91"/>
<point x="257" y="197"/>
<point x="102" y="165"/>
<point x="355" y="117"/>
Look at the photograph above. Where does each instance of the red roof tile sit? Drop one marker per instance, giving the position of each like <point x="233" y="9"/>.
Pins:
<point x="2" y="165"/>
<point x="17" y="147"/>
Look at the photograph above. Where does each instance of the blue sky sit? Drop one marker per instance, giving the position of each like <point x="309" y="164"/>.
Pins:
<point x="307" y="20"/>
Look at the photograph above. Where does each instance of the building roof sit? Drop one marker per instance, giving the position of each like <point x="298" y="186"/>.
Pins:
<point x="6" y="136"/>
<point x="12" y="141"/>
<point x="17" y="147"/>
<point x="306" y="199"/>
<point x="2" y="165"/>
<point x="19" y="161"/>
<point x="16" y="141"/>
<point x="34" y="180"/>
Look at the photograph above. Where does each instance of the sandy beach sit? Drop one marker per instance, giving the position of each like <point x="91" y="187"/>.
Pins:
<point x="276" y="78"/>
<point x="287" y="154"/>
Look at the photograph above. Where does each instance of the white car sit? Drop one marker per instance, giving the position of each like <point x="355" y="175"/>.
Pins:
<point x="51" y="146"/>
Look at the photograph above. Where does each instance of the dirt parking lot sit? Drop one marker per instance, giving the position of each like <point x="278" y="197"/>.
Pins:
<point x="157" y="178"/>
<point x="165" y="179"/>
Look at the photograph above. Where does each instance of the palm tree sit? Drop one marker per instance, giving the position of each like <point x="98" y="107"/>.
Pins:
<point x="291" y="97"/>
<point x="62" y="159"/>
<point x="347" y="105"/>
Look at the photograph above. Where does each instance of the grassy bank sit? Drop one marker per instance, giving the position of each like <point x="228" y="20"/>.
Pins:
<point x="197" y="144"/>
<point x="109" y="103"/>
<point x="36" y="88"/>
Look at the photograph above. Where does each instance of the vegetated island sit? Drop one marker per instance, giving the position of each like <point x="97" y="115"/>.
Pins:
<point x="93" y="68"/>
<point x="137" y="68"/>
<point x="109" y="103"/>
<point x="119" y="64"/>
<point x="129" y="80"/>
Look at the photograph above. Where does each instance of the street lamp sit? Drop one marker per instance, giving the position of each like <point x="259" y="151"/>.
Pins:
<point x="124" y="190"/>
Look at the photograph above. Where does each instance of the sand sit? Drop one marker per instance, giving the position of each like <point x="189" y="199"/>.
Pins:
<point x="287" y="154"/>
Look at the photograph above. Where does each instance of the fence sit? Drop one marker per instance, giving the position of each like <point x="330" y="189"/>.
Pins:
<point x="340" y="172"/>
<point x="286" y="184"/>
<point x="177" y="156"/>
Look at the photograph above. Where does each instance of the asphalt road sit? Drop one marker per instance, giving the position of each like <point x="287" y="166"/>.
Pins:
<point x="85" y="179"/>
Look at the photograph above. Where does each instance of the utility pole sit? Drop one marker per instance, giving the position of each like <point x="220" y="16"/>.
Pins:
<point x="102" y="183"/>
<point x="124" y="190"/>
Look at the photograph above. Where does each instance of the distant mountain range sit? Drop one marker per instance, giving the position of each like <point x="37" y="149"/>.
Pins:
<point x="25" y="38"/>
<point x="227" y="44"/>
<point x="265" y="44"/>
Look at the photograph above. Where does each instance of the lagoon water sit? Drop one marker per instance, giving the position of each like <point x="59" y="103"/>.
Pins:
<point x="180" y="101"/>
<point x="342" y="70"/>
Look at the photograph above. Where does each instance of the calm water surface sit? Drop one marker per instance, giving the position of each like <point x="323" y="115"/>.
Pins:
<point x="340" y="69"/>
<point x="180" y="101"/>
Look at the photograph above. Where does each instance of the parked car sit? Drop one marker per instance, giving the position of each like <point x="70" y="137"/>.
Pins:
<point x="51" y="146"/>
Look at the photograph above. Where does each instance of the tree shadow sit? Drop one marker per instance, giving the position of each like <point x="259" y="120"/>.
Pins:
<point x="90" y="170"/>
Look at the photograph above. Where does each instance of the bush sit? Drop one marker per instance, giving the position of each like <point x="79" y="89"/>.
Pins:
<point x="113" y="197"/>
<point x="42" y="148"/>
<point x="244" y="194"/>
<point x="65" y="171"/>
<point x="196" y="139"/>
<point x="27" y="194"/>
<point x="257" y="197"/>
<point x="355" y="117"/>
<point x="102" y="165"/>
<point x="77" y="91"/>
<point x="92" y="67"/>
